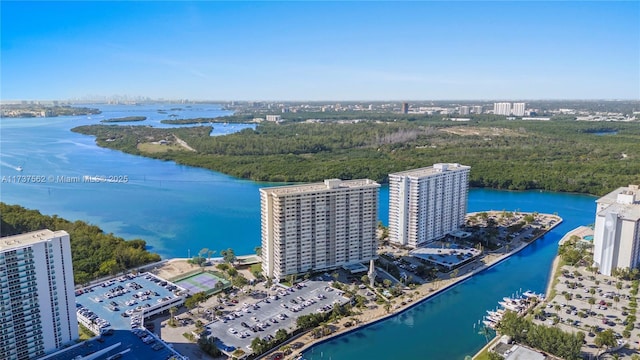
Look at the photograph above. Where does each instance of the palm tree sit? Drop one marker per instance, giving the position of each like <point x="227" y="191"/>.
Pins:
<point x="387" y="306"/>
<point x="286" y="349"/>
<point x="292" y="279"/>
<point x="172" y="311"/>
<point x="538" y="314"/>
<point x="201" y="255"/>
<point x="326" y="330"/>
<point x="434" y="273"/>
<point x="454" y="273"/>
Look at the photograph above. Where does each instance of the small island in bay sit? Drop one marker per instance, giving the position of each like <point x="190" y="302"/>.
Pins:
<point x="190" y="121"/>
<point x="125" y="119"/>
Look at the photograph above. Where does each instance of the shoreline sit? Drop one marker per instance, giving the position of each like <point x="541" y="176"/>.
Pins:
<point x="422" y="297"/>
<point x="550" y="283"/>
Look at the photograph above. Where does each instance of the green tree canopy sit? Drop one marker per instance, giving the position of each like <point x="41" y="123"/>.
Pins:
<point x="94" y="253"/>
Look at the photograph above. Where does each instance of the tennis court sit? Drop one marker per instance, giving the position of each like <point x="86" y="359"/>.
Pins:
<point x="205" y="281"/>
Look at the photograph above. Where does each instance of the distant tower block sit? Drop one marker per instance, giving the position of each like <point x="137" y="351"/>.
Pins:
<point x="372" y="273"/>
<point x="405" y="108"/>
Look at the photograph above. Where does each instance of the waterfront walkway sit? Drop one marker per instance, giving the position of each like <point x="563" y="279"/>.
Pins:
<point x="426" y="291"/>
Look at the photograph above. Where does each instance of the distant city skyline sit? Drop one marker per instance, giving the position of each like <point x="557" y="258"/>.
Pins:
<point x="320" y="51"/>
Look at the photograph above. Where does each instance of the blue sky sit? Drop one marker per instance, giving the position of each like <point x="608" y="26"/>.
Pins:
<point x="321" y="50"/>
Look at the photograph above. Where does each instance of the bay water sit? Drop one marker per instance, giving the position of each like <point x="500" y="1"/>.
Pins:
<point x="179" y="210"/>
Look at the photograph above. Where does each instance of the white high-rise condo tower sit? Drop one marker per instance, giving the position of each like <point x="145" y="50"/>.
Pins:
<point x="518" y="109"/>
<point x="319" y="226"/>
<point x="617" y="230"/>
<point x="503" y="108"/>
<point x="428" y="203"/>
<point x="37" y="299"/>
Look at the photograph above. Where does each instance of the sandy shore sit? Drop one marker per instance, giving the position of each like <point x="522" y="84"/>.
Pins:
<point x="174" y="267"/>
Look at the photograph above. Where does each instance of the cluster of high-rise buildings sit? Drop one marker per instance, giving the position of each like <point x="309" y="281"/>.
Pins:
<point x="322" y="226"/>
<point x="617" y="230"/>
<point x="305" y="228"/>
<point x="507" y="109"/>
<point x="466" y="109"/>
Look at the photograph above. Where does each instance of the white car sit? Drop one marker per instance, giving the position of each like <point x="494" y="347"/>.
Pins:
<point x="233" y="331"/>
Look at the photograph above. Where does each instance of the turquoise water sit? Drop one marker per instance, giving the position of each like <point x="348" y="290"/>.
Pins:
<point x="443" y="327"/>
<point x="588" y="237"/>
<point x="179" y="210"/>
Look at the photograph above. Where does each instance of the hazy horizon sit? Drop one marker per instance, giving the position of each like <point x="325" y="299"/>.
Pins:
<point x="214" y="101"/>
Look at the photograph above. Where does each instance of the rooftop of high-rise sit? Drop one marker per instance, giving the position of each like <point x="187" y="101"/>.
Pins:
<point x="327" y="185"/>
<point x="623" y="201"/>
<point x="29" y="238"/>
<point x="431" y="170"/>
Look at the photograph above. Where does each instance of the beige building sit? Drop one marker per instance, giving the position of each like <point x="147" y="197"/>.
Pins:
<point x="319" y="226"/>
<point x="617" y="230"/>
<point x="37" y="298"/>
<point x="428" y="203"/>
<point x="274" y="118"/>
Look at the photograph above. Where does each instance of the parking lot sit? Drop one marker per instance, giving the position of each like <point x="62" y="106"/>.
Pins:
<point x="237" y="328"/>
<point x="572" y="311"/>
<point x="120" y="302"/>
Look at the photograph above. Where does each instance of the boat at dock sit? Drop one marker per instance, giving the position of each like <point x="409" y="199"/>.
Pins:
<point x="517" y="304"/>
<point x="530" y="294"/>
<point x="489" y="323"/>
<point x="511" y="306"/>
